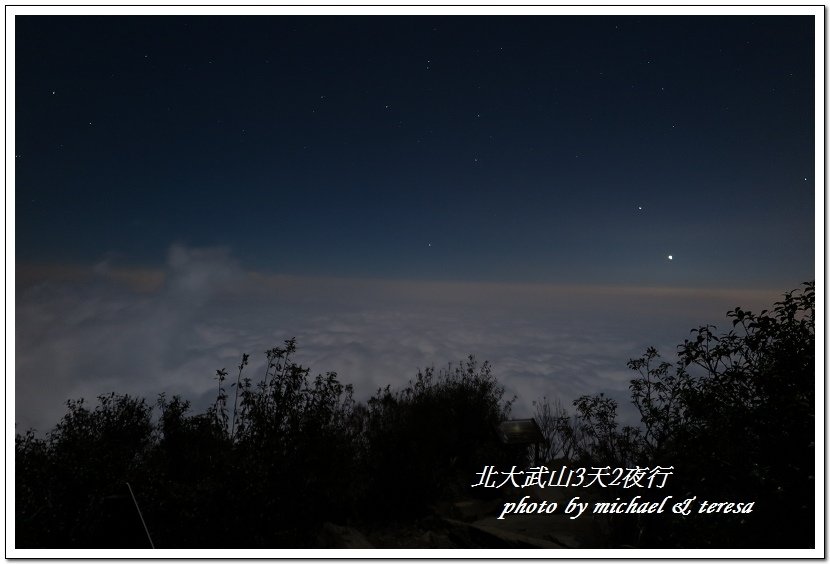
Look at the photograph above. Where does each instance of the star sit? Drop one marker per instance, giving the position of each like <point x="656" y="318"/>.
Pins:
<point x="670" y="257"/>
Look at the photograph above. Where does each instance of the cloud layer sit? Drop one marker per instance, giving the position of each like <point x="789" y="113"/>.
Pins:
<point x="81" y="332"/>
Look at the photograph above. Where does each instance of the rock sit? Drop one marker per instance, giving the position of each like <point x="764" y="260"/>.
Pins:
<point x="338" y="536"/>
<point x="477" y="536"/>
<point x="432" y="539"/>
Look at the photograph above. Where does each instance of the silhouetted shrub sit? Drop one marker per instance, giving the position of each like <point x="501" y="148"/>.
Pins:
<point x="599" y="441"/>
<point x="560" y="429"/>
<point x="295" y="449"/>
<point x="429" y="439"/>
<point x="735" y="416"/>
<point x="64" y="480"/>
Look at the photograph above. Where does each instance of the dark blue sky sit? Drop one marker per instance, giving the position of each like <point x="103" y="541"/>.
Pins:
<point x="463" y="148"/>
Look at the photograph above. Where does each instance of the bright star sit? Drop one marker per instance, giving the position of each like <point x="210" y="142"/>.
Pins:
<point x="670" y="257"/>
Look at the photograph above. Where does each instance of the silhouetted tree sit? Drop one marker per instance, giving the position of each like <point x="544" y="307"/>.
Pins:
<point x="736" y="417"/>
<point x="65" y="479"/>
<point x="560" y="429"/>
<point x="428" y="439"/>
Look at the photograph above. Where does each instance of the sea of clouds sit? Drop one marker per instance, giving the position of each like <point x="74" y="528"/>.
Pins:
<point x="86" y="331"/>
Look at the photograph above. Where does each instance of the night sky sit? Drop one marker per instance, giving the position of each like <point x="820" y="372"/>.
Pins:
<point x="191" y="188"/>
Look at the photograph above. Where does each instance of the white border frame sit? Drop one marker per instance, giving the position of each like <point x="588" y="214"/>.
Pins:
<point x="488" y="8"/>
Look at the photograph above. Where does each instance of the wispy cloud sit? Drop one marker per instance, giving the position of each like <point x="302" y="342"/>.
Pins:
<point x="83" y="331"/>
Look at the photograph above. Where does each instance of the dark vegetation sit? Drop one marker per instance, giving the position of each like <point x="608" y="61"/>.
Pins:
<point x="270" y="462"/>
